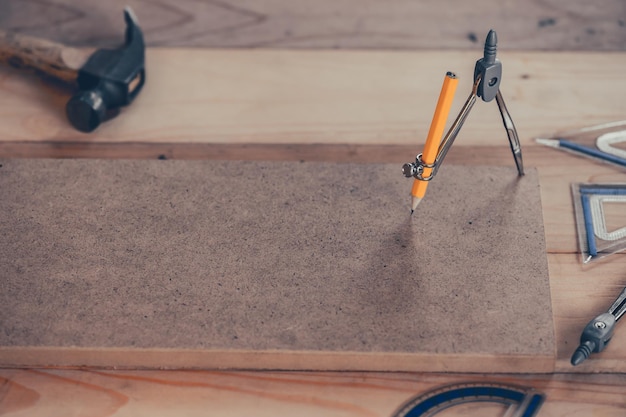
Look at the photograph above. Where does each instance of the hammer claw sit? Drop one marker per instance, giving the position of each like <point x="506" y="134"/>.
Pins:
<point x="110" y="79"/>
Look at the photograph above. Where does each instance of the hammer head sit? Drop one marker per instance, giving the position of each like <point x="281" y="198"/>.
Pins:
<point x="110" y="79"/>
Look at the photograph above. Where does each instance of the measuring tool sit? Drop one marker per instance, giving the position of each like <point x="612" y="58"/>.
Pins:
<point x="487" y="75"/>
<point x="521" y="402"/>
<point x="594" y="237"/>
<point x="606" y="143"/>
<point x="601" y="142"/>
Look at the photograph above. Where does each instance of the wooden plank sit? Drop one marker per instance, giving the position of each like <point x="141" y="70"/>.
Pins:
<point x="272" y="265"/>
<point x="174" y="393"/>
<point x="394" y="24"/>
<point x="329" y="97"/>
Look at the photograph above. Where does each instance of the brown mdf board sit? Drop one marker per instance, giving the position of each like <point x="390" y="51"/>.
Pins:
<point x="271" y="265"/>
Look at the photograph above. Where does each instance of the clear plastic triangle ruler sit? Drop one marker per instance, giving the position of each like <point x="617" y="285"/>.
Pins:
<point x="600" y="219"/>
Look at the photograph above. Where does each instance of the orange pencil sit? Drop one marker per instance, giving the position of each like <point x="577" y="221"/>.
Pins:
<point x="446" y="96"/>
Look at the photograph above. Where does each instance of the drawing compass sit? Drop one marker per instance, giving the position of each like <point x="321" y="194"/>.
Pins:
<point x="487" y="77"/>
<point x="599" y="331"/>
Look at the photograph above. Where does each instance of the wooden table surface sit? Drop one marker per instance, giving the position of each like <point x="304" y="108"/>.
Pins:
<point x="349" y="105"/>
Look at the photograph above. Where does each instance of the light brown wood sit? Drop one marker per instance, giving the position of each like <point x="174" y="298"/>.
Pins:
<point x="175" y="393"/>
<point x="369" y="24"/>
<point x="330" y="97"/>
<point x="46" y="58"/>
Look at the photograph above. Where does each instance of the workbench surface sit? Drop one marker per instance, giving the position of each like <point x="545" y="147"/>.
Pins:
<point x="339" y="106"/>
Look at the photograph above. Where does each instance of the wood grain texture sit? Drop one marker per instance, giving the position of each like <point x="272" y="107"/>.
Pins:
<point x="569" y="92"/>
<point x="328" y="97"/>
<point x="202" y="393"/>
<point x="396" y="24"/>
<point x="42" y="56"/>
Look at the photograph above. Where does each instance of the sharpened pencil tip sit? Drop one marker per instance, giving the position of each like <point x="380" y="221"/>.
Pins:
<point x="548" y="142"/>
<point x="414" y="203"/>
<point x="412" y="211"/>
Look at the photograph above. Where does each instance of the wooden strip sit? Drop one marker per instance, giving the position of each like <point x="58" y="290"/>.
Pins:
<point x="536" y="156"/>
<point x="233" y="359"/>
<point x="546" y="159"/>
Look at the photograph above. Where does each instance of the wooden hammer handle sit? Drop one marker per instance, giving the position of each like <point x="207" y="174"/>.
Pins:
<point x="46" y="57"/>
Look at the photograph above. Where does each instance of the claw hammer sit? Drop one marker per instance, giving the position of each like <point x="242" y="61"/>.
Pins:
<point x="106" y="79"/>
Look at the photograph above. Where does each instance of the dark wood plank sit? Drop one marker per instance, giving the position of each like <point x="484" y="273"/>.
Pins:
<point x="396" y="24"/>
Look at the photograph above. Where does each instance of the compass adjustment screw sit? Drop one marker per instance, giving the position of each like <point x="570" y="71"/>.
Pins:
<point x="409" y="169"/>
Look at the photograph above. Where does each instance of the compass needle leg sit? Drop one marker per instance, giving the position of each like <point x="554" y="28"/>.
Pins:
<point x="618" y="308"/>
<point x="511" y="132"/>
